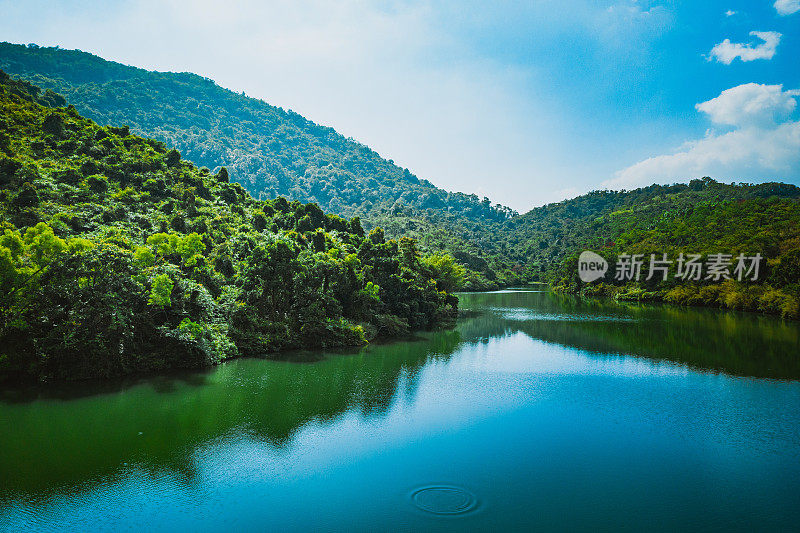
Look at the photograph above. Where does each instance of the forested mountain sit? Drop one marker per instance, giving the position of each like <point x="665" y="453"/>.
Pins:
<point x="118" y="256"/>
<point x="545" y="236"/>
<point x="273" y="152"/>
<point x="704" y="218"/>
<point x="270" y="151"/>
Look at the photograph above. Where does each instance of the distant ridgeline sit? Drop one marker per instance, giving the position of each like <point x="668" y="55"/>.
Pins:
<point x="117" y="256"/>
<point x="705" y="218"/>
<point x="272" y="152"/>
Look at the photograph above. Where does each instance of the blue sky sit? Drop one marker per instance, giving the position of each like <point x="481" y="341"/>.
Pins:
<point x="526" y="102"/>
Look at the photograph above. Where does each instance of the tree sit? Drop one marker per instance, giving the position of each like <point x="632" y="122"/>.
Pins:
<point x="161" y="291"/>
<point x="448" y="274"/>
<point x="173" y="158"/>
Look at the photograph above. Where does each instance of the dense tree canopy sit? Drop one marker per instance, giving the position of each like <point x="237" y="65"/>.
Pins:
<point x="704" y="218"/>
<point x="117" y="256"/>
<point x="273" y="153"/>
<point x="270" y="151"/>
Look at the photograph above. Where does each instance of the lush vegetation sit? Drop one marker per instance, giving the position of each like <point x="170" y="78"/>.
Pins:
<point x="272" y="152"/>
<point x="544" y="237"/>
<point x="704" y="218"/>
<point x="117" y="256"/>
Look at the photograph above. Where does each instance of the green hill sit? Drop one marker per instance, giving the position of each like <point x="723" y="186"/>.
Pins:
<point x="705" y="218"/>
<point x="117" y="256"/>
<point x="272" y="152"/>
<point x="543" y="237"/>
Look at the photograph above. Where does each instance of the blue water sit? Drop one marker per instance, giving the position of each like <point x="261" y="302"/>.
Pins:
<point x="521" y="432"/>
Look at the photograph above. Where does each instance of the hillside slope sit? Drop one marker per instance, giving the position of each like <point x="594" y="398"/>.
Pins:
<point x="117" y="257"/>
<point x="272" y="152"/>
<point x="706" y="218"/>
<point x="545" y="236"/>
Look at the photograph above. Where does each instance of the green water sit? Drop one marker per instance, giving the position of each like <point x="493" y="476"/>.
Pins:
<point x="537" y="413"/>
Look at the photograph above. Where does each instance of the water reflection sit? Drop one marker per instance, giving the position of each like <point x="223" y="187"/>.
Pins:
<point x="100" y="428"/>
<point x="742" y="344"/>
<point x="80" y="438"/>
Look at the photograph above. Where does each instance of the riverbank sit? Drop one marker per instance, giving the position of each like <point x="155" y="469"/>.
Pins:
<point x="728" y="295"/>
<point x="118" y="257"/>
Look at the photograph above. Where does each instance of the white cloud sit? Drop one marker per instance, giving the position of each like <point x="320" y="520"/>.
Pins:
<point x="787" y="7"/>
<point x="765" y="143"/>
<point x="730" y="13"/>
<point x="624" y="23"/>
<point x="751" y="104"/>
<point x="726" y="51"/>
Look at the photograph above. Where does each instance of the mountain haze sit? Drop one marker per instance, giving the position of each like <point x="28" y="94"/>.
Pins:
<point x="271" y="151"/>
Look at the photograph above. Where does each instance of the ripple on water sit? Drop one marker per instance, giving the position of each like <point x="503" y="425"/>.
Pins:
<point x="444" y="499"/>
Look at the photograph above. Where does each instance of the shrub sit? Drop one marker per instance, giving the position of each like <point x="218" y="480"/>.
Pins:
<point x="97" y="183"/>
<point x="173" y="158"/>
<point x="160" y="292"/>
<point x="192" y="329"/>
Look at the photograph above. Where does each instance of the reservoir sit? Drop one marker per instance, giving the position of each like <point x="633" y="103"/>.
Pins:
<point x="537" y="412"/>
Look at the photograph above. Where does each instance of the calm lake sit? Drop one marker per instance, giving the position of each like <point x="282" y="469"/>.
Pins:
<point x="538" y="412"/>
